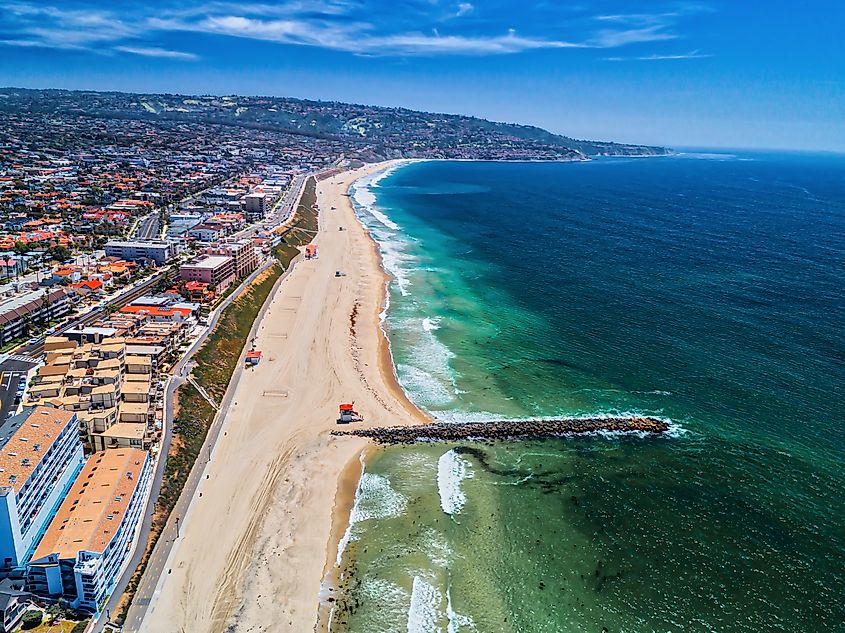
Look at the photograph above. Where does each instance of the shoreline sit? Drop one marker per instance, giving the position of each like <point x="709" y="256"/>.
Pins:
<point x="350" y="477"/>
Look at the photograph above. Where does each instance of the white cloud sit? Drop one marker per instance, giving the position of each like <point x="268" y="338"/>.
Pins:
<point x="353" y="26"/>
<point x="153" y="51"/>
<point x="615" y="39"/>
<point x="652" y="58"/>
<point x="463" y="9"/>
<point x="360" y="38"/>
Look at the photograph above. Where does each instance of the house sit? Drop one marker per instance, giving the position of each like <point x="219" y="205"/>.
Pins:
<point x="13" y="603"/>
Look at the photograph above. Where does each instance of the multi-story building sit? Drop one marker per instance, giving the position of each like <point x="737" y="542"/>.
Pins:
<point x="40" y="455"/>
<point x="29" y="309"/>
<point x="207" y="232"/>
<point x="243" y="252"/>
<point x="158" y="251"/>
<point x="91" y="535"/>
<point x="255" y="204"/>
<point x="216" y="270"/>
<point x="86" y="379"/>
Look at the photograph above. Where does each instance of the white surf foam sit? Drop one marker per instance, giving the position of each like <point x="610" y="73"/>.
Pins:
<point x="452" y="469"/>
<point x="374" y="499"/>
<point x="423" y="387"/>
<point x="456" y="620"/>
<point x="362" y="193"/>
<point x="429" y="324"/>
<point x="425" y="604"/>
<point x="395" y="261"/>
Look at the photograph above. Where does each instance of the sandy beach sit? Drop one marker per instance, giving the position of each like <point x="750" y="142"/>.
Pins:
<point x="253" y="547"/>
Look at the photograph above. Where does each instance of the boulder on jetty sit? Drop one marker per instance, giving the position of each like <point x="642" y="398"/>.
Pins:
<point x="505" y="430"/>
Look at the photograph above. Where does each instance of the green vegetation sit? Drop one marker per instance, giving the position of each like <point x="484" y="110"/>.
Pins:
<point x="302" y="229"/>
<point x="217" y="359"/>
<point x="31" y="619"/>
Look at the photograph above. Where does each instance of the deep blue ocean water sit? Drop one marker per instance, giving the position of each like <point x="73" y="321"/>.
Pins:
<point x="704" y="288"/>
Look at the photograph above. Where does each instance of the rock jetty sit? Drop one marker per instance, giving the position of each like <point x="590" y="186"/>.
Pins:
<point x="504" y="430"/>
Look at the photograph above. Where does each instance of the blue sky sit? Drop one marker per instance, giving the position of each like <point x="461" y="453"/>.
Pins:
<point x="728" y="73"/>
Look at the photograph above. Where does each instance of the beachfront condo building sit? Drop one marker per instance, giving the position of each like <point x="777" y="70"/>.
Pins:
<point x="92" y="533"/>
<point x="216" y="270"/>
<point x="40" y="455"/>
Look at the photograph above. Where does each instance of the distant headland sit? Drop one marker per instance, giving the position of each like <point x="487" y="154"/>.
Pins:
<point x="368" y="133"/>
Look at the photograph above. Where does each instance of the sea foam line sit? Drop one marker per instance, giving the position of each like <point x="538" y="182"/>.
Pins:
<point x="425" y="603"/>
<point x="374" y="499"/>
<point x="452" y="469"/>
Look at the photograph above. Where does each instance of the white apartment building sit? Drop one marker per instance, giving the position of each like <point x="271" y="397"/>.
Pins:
<point x="158" y="251"/>
<point x="40" y="455"/>
<point x="91" y="535"/>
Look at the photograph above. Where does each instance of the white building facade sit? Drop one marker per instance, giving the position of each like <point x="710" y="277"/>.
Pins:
<point x="40" y="456"/>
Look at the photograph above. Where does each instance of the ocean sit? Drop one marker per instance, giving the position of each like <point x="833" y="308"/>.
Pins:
<point x="707" y="289"/>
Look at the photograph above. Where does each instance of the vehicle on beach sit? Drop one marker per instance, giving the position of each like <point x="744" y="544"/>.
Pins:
<point x="339" y="273"/>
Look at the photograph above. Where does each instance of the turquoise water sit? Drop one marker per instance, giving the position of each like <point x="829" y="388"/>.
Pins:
<point x="707" y="289"/>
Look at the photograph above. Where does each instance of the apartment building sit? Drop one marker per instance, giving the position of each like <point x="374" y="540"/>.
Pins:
<point x="91" y="535"/>
<point x="216" y="270"/>
<point x="86" y="379"/>
<point x="40" y="456"/>
<point x="255" y="204"/>
<point x="242" y="251"/>
<point x="158" y="251"/>
<point x="28" y="309"/>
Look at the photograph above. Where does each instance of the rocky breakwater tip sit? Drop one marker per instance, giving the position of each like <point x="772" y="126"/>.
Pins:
<point x="505" y="430"/>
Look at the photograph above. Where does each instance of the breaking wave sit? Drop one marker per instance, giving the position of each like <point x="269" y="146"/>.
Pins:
<point x="452" y="469"/>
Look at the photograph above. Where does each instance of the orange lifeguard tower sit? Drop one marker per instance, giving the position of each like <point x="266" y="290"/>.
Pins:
<point x="310" y="251"/>
<point x="348" y="414"/>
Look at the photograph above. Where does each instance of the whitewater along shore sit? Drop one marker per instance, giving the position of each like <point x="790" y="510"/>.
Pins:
<point x="505" y="430"/>
<point x="254" y="544"/>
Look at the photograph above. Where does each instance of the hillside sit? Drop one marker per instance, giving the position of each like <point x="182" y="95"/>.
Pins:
<point x="371" y="131"/>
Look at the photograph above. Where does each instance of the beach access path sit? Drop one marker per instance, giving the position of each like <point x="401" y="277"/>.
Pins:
<point x="264" y="518"/>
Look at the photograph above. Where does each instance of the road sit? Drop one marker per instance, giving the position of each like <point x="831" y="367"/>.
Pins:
<point x="149" y="227"/>
<point x="281" y="212"/>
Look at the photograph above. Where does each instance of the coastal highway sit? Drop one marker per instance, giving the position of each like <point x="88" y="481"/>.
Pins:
<point x="282" y="210"/>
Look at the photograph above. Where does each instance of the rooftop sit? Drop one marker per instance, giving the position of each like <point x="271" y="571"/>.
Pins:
<point x="89" y="516"/>
<point x="212" y="261"/>
<point x="25" y="438"/>
<point x="134" y="244"/>
<point x="130" y="430"/>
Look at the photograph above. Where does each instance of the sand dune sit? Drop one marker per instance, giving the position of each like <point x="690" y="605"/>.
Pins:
<point x="253" y="548"/>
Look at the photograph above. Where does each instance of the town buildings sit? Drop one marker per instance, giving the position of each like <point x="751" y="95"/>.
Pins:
<point x="31" y="311"/>
<point x="14" y="601"/>
<point x="91" y="535"/>
<point x="242" y="251"/>
<point x="90" y="379"/>
<point x="158" y="251"/>
<point x="40" y="455"/>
